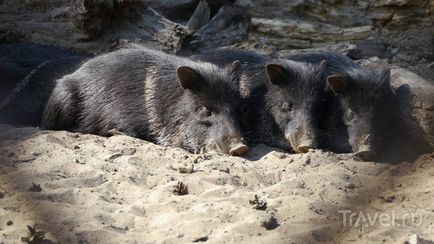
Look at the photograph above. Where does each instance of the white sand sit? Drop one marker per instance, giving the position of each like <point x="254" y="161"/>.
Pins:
<point x="119" y="190"/>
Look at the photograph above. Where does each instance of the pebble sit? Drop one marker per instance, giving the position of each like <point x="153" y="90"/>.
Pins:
<point x="114" y="156"/>
<point x="270" y="223"/>
<point x="350" y="186"/>
<point x="225" y="169"/>
<point x="129" y="151"/>
<point x="186" y="169"/>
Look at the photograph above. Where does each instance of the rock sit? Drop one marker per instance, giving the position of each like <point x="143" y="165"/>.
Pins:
<point x="104" y="25"/>
<point x="306" y="159"/>
<point x="285" y="32"/>
<point x="186" y="169"/>
<point x="129" y="151"/>
<point x="270" y="223"/>
<point x="382" y="26"/>
<point x="388" y="199"/>
<point x="380" y="3"/>
<point x="420" y="99"/>
<point x="225" y="170"/>
<point x="35" y="188"/>
<point x="351" y="50"/>
<point x="93" y="19"/>
<point x="350" y="186"/>
<point x="370" y="48"/>
<point x="114" y="156"/>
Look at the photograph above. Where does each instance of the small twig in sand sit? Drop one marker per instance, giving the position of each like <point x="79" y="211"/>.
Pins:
<point x="259" y="204"/>
<point x="35" y="188"/>
<point x="180" y="189"/>
<point x="34" y="236"/>
<point x="388" y="199"/>
<point x="201" y="239"/>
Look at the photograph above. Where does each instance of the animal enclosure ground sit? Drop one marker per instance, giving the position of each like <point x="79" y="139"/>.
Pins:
<point x="120" y="190"/>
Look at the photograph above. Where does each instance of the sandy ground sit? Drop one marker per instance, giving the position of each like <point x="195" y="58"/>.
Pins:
<point x="91" y="189"/>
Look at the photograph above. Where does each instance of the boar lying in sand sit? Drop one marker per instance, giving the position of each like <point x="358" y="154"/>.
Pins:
<point x="284" y="102"/>
<point x="373" y="111"/>
<point x="322" y="100"/>
<point x="166" y="99"/>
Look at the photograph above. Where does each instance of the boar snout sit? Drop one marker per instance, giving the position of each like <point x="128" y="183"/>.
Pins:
<point x="364" y="148"/>
<point x="301" y="132"/>
<point x="304" y="146"/>
<point x="365" y="153"/>
<point x="302" y="140"/>
<point x="238" y="149"/>
<point x="234" y="147"/>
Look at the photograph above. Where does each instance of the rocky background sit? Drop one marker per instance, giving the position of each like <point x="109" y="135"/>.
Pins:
<point x="400" y="31"/>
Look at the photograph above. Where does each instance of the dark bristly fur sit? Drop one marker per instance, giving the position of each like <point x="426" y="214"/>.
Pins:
<point x="373" y="110"/>
<point x="28" y="73"/>
<point x="280" y="115"/>
<point x="138" y="92"/>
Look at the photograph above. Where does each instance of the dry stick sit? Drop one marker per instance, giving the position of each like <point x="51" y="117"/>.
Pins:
<point x="169" y="34"/>
<point x="200" y="16"/>
<point x="229" y="25"/>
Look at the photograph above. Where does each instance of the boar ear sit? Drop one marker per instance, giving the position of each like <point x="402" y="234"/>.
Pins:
<point x="235" y="70"/>
<point x="404" y="91"/>
<point x="277" y="74"/>
<point x="338" y="83"/>
<point x="188" y="77"/>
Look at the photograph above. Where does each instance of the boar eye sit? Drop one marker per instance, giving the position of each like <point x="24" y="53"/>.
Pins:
<point x="204" y="113"/>
<point x="286" y="107"/>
